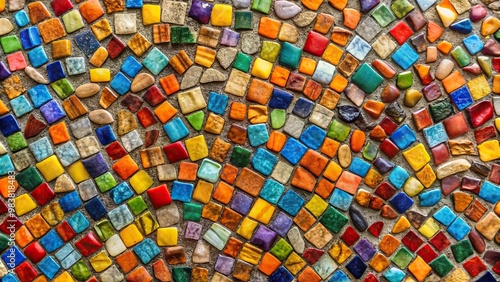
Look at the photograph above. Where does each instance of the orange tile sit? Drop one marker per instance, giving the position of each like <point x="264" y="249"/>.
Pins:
<point x="348" y="182"/>
<point x="374" y="108"/>
<point x="125" y="167"/>
<point x="127" y="261"/>
<point x="351" y="18"/>
<point x="59" y="133"/>
<point x="357" y="141"/>
<point x="312" y="90"/>
<point x="332" y="54"/>
<point x="238" y="111"/>
<point x="307" y="66"/>
<point x="139" y="274"/>
<point x="165" y="112"/>
<point x="51" y="29"/>
<point x="223" y="192"/>
<point x="323" y="23"/>
<point x="91" y="10"/>
<point x="303" y="179"/>
<point x="23" y="237"/>
<point x="444" y="47"/>
<point x="453" y="81"/>
<point x="269" y="27"/>
<point x="169" y="84"/>
<point x="276" y="141"/>
<point x="324" y="188"/>
<point x="259" y="91"/>
<point x="314" y="162"/>
<point x="269" y="264"/>
<point x="332" y="171"/>
<point x="312" y="4"/>
<point x="330" y="147"/>
<point x="187" y="171"/>
<point x="279" y="76"/>
<point x="308" y="275"/>
<point x="339" y="83"/>
<point x="4" y="186"/>
<point x="229" y="173"/>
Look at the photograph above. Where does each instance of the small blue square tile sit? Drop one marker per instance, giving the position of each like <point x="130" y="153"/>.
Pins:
<point x="461" y="98"/>
<point x="176" y="130"/>
<point x="155" y="61"/>
<point x="30" y="38"/>
<point x="13" y="257"/>
<point x="257" y="134"/>
<point x="341" y="199"/>
<point x="291" y="202"/>
<point x="52" y="111"/>
<point x="272" y="191"/>
<point x="358" y="48"/>
<point x="105" y="134"/>
<point x="280" y="275"/>
<point x="217" y="103"/>
<point x="87" y="42"/>
<point x="131" y="66"/>
<point x="120" y="217"/>
<point x="95" y="165"/>
<point x="41" y="149"/>
<point x="120" y="83"/>
<point x="55" y="71"/>
<point x="21" y="18"/>
<point x="51" y="241"/>
<point x="121" y="193"/>
<point x="458" y="229"/>
<point x="39" y="95"/>
<point x="303" y="107"/>
<point x="401" y="202"/>
<point x="37" y="57"/>
<point x="445" y="216"/>
<point x="398" y="177"/>
<point x="403" y="137"/>
<point x="76" y="65"/>
<point x="394" y="275"/>
<point x="339" y="276"/>
<point x="67" y="153"/>
<point x="263" y="161"/>
<point x="356" y="267"/>
<point x="405" y="56"/>
<point x="280" y="99"/>
<point x="6" y="165"/>
<point x="293" y="150"/>
<point x="10" y="278"/>
<point x="65" y="251"/>
<point x="9" y="125"/>
<point x="49" y="267"/>
<point x="313" y="137"/>
<point x="359" y="167"/>
<point x="95" y="208"/>
<point x="473" y="44"/>
<point x="70" y="201"/>
<point x="79" y="222"/>
<point x="182" y="191"/>
<point x="21" y="106"/>
<point x="146" y="250"/>
<point x="435" y="135"/>
<point x="487" y="277"/>
<point x="489" y="192"/>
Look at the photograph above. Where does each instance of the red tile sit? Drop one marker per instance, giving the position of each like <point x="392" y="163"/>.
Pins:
<point x="385" y="191"/>
<point x="440" y="241"/>
<point x="389" y="148"/>
<point x="388" y="125"/>
<point x="65" y="231"/>
<point x="427" y="253"/>
<point x="175" y="152"/>
<point x="88" y="244"/>
<point x="159" y="196"/>
<point x="115" y="47"/>
<point x="315" y="43"/>
<point x="440" y="153"/>
<point x="350" y="236"/>
<point x="146" y="117"/>
<point x="401" y="32"/>
<point x="43" y="194"/>
<point x="474" y="266"/>
<point x="412" y="241"/>
<point x="115" y="151"/>
<point x="153" y="96"/>
<point x="34" y="252"/>
<point x="26" y="272"/>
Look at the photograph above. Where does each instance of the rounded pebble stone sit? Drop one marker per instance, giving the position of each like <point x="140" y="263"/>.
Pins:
<point x="250" y="43"/>
<point x="348" y="113"/>
<point x="344" y="156"/>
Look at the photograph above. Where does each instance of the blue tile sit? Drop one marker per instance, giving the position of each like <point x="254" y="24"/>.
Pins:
<point x="257" y="134"/>
<point x="20" y="106"/>
<point x="30" y="38"/>
<point x="121" y="193"/>
<point x="9" y="277"/>
<point x="70" y="201"/>
<point x="356" y="267"/>
<point x="87" y="42"/>
<point x="445" y="216"/>
<point x="13" y="257"/>
<point x="487" y="277"/>
<point x="272" y="191"/>
<point x="71" y="259"/>
<point x="95" y="208"/>
<point x="21" y="18"/>
<point x="75" y="65"/>
<point x="51" y="241"/>
<point x="303" y="107"/>
<point x="358" y="48"/>
<point x="394" y="275"/>
<point x="41" y="149"/>
<point x="9" y="125"/>
<point x="95" y="165"/>
<point x="461" y="97"/>
<point x="280" y="275"/>
<point x="55" y="71"/>
<point x="463" y="26"/>
<point x="429" y="198"/>
<point x="120" y="83"/>
<point x="489" y="192"/>
<point x="293" y="150"/>
<point x="435" y="135"/>
<point x="405" y="56"/>
<point x="176" y="130"/>
<point x="79" y="222"/>
<point x="263" y="161"/>
<point x="146" y="250"/>
<point x="403" y="137"/>
<point x="120" y="217"/>
<point x="39" y="95"/>
<point x="291" y="202"/>
<point x="339" y="276"/>
<point x="105" y="134"/>
<point x="155" y="61"/>
<point x="280" y="99"/>
<point x="359" y="167"/>
<point x="37" y="57"/>
<point x="64" y="252"/>
<point x="401" y="202"/>
<point x="67" y="153"/>
<point x="425" y="4"/>
<point x="131" y="66"/>
<point x="49" y="267"/>
<point x="458" y="229"/>
<point x="134" y="4"/>
<point x="4" y="71"/>
<point x="217" y="103"/>
<point x="398" y="177"/>
<point x="341" y="199"/>
<point x="313" y="137"/>
<point x="182" y="191"/>
<point x="52" y="111"/>
<point x="6" y="165"/>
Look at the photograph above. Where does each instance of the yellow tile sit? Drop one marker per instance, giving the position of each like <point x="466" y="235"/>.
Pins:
<point x="426" y="176"/>
<point x="64" y="277"/>
<point x="61" y="48"/>
<point x="316" y="205"/>
<point x="294" y="263"/>
<point x="100" y="262"/>
<point x="247" y="227"/>
<point x="332" y="54"/>
<point x="429" y="228"/>
<point x="77" y="172"/>
<point x="23" y="204"/>
<point x="167" y="236"/>
<point x="151" y="14"/>
<point x="130" y="235"/>
<point x="479" y="87"/>
<point x="197" y="148"/>
<point x="222" y="15"/>
<point x="261" y="211"/>
<point x="101" y="29"/>
<point x="50" y="168"/>
<point x="203" y="191"/>
<point x="147" y="223"/>
<point x="204" y="56"/>
<point x="490" y="150"/>
<point x="262" y="68"/>
<point x="100" y="75"/>
<point x="99" y="57"/>
<point x="250" y="254"/>
<point x="417" y="157"/>
<point x="141" y="181"/>
<point x="401" y="225"/>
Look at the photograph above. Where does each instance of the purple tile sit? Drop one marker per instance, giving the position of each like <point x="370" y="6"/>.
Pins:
<point x="4" y="71"/>
<point x="241" y="203"/>
<point x="193" y="231"/>
<point x="365" y="249"/>
<point x="52" y="112"/>
<point x="95" y="165"/>
<point x="224" y="264"/>
<point x="229" y="37"/>
<point x="200" y="11"/>
<point x="281" y="224"/>
<point x="263" y="238"/>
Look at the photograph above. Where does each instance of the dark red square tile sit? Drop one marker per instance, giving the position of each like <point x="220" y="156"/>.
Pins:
<point x="175" y="152"/>
<point x="427" y="253"/>
<point x="412" y="241"/>
<point x="88" y="244"/>
<point x="115" y="151"/>
<point x="146" y="117"/>
<point x="43" y="194"/>
<point x="350" y="236"/>
<point x="440" y="241"/>
<point x="65" y="231"/>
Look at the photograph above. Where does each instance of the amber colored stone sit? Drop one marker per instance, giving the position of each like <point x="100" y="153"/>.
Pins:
<point x="323" y="23"/>
<point x="259" y="91"/>
<point x="74" y="107"/>
<point x="180" y="62"/>
<point x="379" y="262"/>
<point x="362" y="197"/>
<point x="139" y="44"/>
<point x="389" y="244"/>
<point x="223" y="192"/>
<point x="233" y="247"/>
<point x="37" y="226"/>
<point x="384" y="68"/>
<point x="113" y="6"/>
<point x="304" y="219"/>
<point x="139" y="274"/>
<point x="230" y="219"/>
<point x="51" y="29"/>
<point x="127" y="261"/>
<point x="237" y="134"/>
<point x="312" y="90"/>
<point x="161" y="33"/>
<point x="211" y="211"/>
<point x="229" y="173"/>
<point x="339" y="252"/>
<point x="101" y="29"/>
<point x="204" y="56"/>
<point x="214" y="124"/>
<point x="33" y="126"/>
<point x="461" y="201"/>
<point x="401" y="225"/>
<point x="476" y="210"/>
<point x="249" y="182"/>
<point x="303" y="179"/>
<point x="107" y="98"/>
<point x="378" y="133"/>
<point x="199" y="274"/>
<point x="348" y="65"/>
<point x="61" y="48"/>
<point x="257" y="114"/>
<point x="376" y="203"/>
<point x="175" y="255"/>
<point x="389" y="94"/>
<point x="340" y="35"/>
<point x="329" y="99"/>
<point x="351" y="17"/>
<point x="219" y="150"/>
<point x="374" y="108"/>
<point x="388" y="212"/>
<point x="324" y="188"/>
<point x="38" y="12"/>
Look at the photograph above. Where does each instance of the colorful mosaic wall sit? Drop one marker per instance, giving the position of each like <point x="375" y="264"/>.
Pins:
<point x="250" y="141"/>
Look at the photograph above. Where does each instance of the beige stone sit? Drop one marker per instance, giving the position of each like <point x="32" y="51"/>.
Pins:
<point x="488" y="226"/>
<point x="141" y="82"/>
<point x="191" y="100"/>
<point x="87" y="90"/>
<point x="452" y="167"/>
<point x="101" y="116"/>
